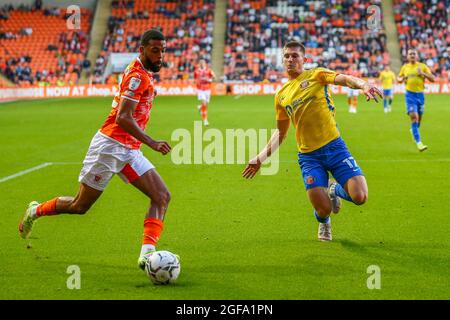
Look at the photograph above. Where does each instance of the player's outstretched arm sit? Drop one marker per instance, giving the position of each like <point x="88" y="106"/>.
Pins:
<point x="277" y="138"/>
<point x="429" y="76"/>
<point x="126" y="121"/>
<point x="371" y="92"/>
<point x="401" y="76"/>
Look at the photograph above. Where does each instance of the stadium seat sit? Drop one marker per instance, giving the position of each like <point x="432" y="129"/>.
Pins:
<point x="46" y="29"/>
<point x="194" y="18"/>
<point x="255" y="26"/>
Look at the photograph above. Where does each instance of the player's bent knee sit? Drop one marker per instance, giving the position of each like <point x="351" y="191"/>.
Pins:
<point x="80" y="208"/>
<point x="360" y="198"/>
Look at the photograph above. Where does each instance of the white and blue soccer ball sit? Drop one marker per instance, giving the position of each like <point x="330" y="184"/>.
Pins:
<point x="163" y="267"/>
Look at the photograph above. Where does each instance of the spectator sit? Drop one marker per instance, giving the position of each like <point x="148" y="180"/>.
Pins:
<point x="37" y="4"/>
<point x="70" y="47"/>
<point x="423" y="25"/>
<point x="187" y="24"/>
<point x="332" y="31"/>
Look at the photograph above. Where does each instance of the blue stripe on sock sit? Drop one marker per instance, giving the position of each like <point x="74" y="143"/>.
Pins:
<point x="341" y="193"/>
<point x="321" y="220"/>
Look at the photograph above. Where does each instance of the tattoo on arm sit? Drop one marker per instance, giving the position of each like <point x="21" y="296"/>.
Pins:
<point x="355" y="83"/>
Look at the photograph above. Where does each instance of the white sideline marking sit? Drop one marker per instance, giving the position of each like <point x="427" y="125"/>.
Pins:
<point x="45" y="164"/>
<point x="21" y="173"/>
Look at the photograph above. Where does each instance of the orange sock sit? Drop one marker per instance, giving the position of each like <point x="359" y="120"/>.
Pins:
<point x="204" y="112"/>
<point x="152" y="230"/>
<point x="47" y="208"/>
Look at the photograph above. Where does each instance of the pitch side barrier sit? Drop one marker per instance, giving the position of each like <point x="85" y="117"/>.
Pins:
<point x="101" y="90"/>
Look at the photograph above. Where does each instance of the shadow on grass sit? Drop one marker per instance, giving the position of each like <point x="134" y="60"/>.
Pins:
<point x="425" y="257"/>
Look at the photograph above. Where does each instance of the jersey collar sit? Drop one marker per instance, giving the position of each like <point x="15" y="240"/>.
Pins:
<point x="138" y="59"/>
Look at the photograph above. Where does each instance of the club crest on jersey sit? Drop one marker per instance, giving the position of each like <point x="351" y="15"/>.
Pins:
<point x="304" y="84"/>
<point x="134" y="83"/>
<point x="310" y="180"/>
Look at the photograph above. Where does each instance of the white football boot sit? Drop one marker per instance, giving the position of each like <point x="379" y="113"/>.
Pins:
<point x="336" y="202"/>
<point x="324" y="233"/>
<point x="26" y="225"/>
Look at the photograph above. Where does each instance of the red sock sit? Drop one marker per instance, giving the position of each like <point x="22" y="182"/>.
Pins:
<point x="152" y="230"/>
<point x="47" y="208"/>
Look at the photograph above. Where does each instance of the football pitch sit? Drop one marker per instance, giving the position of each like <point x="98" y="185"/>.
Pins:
<point x="237" y="239"/>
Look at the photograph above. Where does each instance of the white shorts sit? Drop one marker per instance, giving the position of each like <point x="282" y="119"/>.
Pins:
<point x="351" y="92"/>
<point x="204" y="95"/>
<point x="107" y="157"/>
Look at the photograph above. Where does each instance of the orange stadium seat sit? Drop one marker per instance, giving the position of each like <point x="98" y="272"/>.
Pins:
<point x="191" y="16"/>
<point x="334" y="33"/>
<point x="429" y="36"/>
<point x="265" y="25"/>
<point x="46" y="29"/>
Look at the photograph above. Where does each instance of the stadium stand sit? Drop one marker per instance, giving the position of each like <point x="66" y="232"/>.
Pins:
<point x="188" y="26"/>
<point x="37" y="48"/>
<point x="334" y="32"/>
<point x="424" y="25"/>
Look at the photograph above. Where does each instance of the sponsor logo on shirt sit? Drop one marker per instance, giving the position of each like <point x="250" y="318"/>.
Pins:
<point x="304" y="84"/>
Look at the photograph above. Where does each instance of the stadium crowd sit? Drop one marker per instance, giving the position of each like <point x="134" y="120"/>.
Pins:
<point x="37" y="47"/>
<point x="188" y="27"/>
<point x="425" y="26"/>
<point x="335" y="33"/>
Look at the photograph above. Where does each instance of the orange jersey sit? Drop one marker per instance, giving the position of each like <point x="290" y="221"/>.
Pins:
<point x="136" y="85"/>
<point x="203" y="78"/>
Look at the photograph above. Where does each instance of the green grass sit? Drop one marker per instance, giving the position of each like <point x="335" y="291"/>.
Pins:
<point x="237" y="239"/>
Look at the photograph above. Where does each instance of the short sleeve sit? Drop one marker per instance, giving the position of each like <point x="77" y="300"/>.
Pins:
<point x="426" y="69"/>
<point x="280" y="113"/>
<point x="402" y="72"/>
<point x="133" y="86"/>
<point x="324" y="76"/>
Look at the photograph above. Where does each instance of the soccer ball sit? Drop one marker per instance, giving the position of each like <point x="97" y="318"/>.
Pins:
<point x="163" y="267"/>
